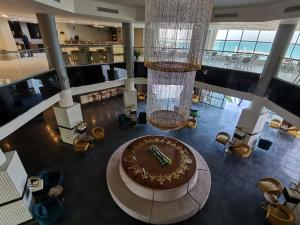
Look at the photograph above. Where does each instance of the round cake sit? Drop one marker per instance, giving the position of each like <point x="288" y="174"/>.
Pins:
<point x="159" y="162"/>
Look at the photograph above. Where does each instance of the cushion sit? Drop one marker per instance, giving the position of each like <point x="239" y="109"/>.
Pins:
<point x="267" y="186"/>
<point x="43" y="211"/>
<point x="222" y="138"/>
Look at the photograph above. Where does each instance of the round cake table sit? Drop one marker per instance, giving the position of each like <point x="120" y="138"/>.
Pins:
<point x="154" y="190"/>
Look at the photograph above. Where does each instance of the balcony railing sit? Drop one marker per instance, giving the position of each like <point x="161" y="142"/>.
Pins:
<point x="18" y="97"/>
<point x="289" y="71"/>
<point x="240" y="61"/>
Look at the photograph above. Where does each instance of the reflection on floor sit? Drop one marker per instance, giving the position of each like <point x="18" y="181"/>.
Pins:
<point x="233" y="200"/>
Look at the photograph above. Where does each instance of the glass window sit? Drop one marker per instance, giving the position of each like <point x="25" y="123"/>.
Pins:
<point x="219" y="45"/>
<point x="263" y="48"/>
<point x="266" y="36"/>
<point x="231" y="46"/>
<point x="247" y="46"/>
<point x="234" y="35"/>
<point x="289" y="51"/>
<point x="295" y="37"/>
<point x="296" y="52"/>
<point x="221" y="35"/>
<point x="250" y="35"/>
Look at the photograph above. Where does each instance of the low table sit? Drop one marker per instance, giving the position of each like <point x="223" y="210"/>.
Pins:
<point x="35" y="187"/>
<point x="291" y="196"/>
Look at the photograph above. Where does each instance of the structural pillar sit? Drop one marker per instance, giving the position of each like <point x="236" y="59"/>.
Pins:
<point x="253" y="118"/>
<point x="2" y="158"/>
<point x="130" y="94"/>
<point x="68" y="114"/>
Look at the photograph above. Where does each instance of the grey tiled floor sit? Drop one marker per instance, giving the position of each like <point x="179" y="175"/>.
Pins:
<point x="233" y="200"/>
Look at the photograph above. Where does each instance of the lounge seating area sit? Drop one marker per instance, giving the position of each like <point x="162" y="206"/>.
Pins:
<point x="276" y="213"/>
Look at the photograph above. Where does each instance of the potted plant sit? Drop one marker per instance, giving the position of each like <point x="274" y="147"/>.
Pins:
<point x="137" y="54"/>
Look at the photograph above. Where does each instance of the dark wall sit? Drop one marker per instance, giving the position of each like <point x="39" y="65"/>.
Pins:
<point x="238" y="80"/>
<point x="285" y="95"/>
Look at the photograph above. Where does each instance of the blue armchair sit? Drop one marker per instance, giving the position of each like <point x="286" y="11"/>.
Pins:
<point x="49" y="212"/>
<point x="51" y="179"/>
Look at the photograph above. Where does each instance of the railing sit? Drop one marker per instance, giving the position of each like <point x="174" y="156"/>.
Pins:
<point x="240" y="61"/>
<point x="18" y="97"/>
<point x="15" y="65"/>
<point x="289" y="71"/>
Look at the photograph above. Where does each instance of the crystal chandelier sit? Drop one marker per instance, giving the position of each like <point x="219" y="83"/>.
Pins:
<point x="175" y="35"/>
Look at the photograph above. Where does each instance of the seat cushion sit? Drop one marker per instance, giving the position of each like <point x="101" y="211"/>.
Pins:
<point x="267" y="186"/>
<point x="222" y="138"/>
<point x="279" y="213"/>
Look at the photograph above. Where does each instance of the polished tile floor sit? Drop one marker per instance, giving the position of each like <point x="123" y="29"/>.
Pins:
<point x="233" y="200"/>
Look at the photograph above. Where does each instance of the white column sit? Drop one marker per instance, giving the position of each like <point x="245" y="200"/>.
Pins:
<point x="68" y="114"/>
<point x="253" y="119"/>
<point x="47" y="26"/>
<point x="2" y="158"/>
<point x="212" y="34"/>
<point x="130" y="94"/>
<point x="280" y="45"/>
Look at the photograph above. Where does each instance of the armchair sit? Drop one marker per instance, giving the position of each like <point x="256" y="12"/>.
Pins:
<point x="270" y="185"/>
<point x="49" y="212"/>
<point x="98" y="133"/>
<point x="81" y="144"/>
<point x="222" y="138"/>
<point x="141" y="96"/>
<point x="280" y="215"/>
<point x="51" y="179"/>
<point x="242" y="150"/>
<point x="195" y="99"/>
<point x="275" y="123"/>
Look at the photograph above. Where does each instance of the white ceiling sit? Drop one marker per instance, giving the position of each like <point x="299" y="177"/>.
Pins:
<point x="217" y="3"/>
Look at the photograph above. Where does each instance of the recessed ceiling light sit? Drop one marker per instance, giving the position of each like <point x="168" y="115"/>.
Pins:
<point x="4" y="15"/>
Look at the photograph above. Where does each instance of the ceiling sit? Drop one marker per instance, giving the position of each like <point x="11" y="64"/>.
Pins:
<point x="217" y="3"/>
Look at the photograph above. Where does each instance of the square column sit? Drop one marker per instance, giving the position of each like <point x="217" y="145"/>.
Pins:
<point x="15" y="196"/>
<point x="67" y="119"/>
<point x="253" y="122"/>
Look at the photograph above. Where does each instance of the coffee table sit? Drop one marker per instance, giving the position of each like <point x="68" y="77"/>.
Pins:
<point x="291" y="196"/>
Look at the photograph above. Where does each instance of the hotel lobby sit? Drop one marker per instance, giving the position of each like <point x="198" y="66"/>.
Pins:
<point x="158" y="112"/>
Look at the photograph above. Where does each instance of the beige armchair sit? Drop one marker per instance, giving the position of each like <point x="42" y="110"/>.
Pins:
<point x="275" y="123"/>
<point x="81" y="144"/>
<point x="222" y="138"/>
<point x="195" y="99"/>
<point x="191" y="123"/>
<point x="141" y="96"/>
<point x="98" y="133"/>
<point x="280" y="215"/>
<point x="242" y="150"/>
<point x="270" y="185"/>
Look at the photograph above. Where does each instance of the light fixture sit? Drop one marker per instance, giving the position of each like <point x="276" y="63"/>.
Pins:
<point x="4" y="15"/>
<point x="175" y="35"/>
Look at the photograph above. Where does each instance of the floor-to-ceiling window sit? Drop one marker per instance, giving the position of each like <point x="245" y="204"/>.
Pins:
<point x="248" y="41"/>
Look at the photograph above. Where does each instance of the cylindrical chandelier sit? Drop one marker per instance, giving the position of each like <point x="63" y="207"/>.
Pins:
<point x="175" y="35"/>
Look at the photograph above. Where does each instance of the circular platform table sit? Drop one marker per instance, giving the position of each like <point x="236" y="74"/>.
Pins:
<point x="158" y="193"/>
